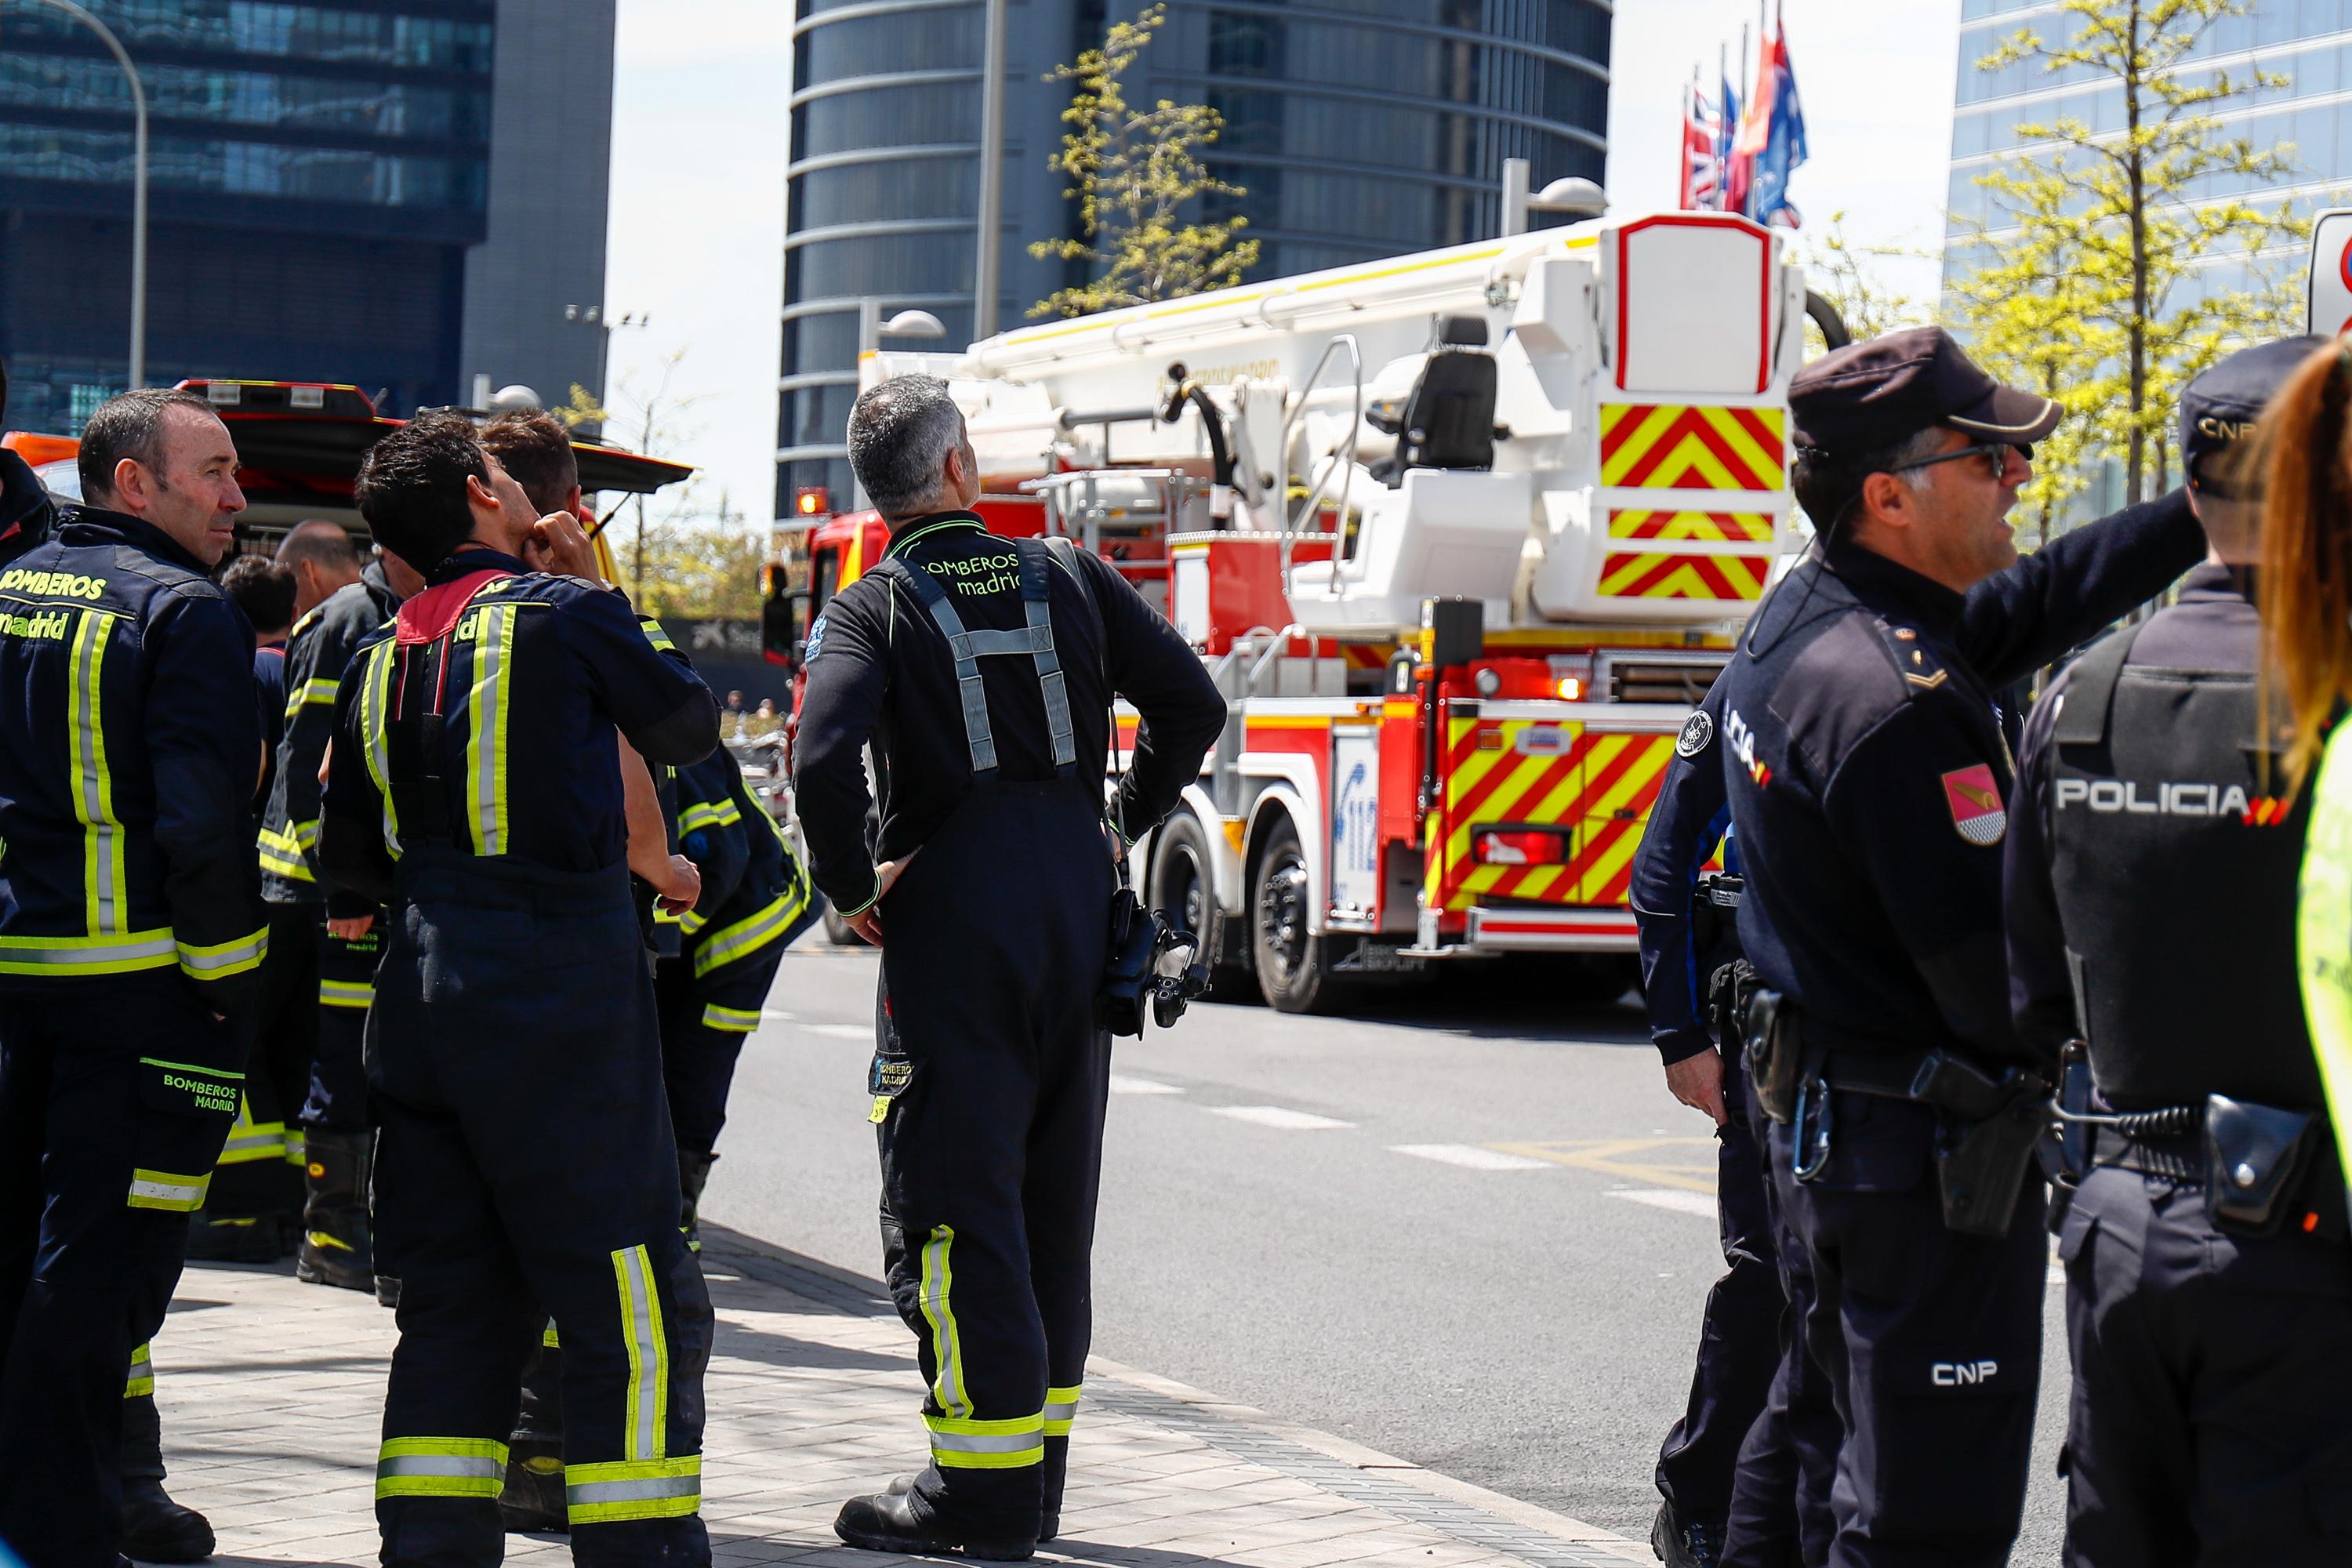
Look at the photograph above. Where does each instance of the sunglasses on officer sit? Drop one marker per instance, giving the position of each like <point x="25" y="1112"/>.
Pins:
<point x="1994" y="453"/>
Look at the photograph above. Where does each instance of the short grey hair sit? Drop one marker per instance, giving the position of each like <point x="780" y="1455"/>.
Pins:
<point x="900" y="433"/>
<point x="130" y="425"/>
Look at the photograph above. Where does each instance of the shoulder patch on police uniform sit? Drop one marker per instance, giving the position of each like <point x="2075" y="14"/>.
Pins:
<point x="1978" y="811"/>
<point x="1699" y="734"/>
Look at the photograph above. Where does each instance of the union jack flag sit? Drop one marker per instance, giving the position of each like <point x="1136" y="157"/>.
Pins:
<point x="1702" y="168"/>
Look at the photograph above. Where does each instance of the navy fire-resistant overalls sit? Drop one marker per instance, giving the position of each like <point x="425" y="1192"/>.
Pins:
<point x="525" y="1167"/>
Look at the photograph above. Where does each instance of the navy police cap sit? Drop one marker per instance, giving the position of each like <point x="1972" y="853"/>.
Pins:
<point x="1869" y="397"/>
<point x="2219" y="408"/>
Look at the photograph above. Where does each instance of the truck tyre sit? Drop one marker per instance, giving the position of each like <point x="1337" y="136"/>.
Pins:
<point x="1183" y="887"/>
<point x="1294" y="967"/>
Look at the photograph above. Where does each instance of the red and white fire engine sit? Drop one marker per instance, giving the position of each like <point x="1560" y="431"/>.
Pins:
<point x="1461" y="535"/>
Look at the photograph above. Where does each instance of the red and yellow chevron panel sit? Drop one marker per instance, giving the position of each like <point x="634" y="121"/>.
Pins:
<point x="1725" y="527"/>
<point x="1738" y="578"/>
<point x="1599" y="786"/>
<point x="1669" y="446"/>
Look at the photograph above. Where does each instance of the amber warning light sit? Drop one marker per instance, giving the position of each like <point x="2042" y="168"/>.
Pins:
<point x="811" y="503"/>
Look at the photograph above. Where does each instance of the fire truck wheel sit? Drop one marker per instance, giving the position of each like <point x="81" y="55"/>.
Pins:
<point x="1294" y="967"/>
<point x="1182" y="887"/>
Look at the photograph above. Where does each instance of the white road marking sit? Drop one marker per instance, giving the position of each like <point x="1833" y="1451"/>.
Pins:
<point x="777" y="1013"/>
<point x="1120" y="1083"/>
<point x="1278" y="1116"/>
<point x="1470" y="1156"/>
<point x="1698" y="1203"/>
<point x="841" y="1031"/>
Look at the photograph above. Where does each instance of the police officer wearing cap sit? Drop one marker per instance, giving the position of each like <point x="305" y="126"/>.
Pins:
<point x="982" y="669"/>
<point x="1865" y="748"/>
<point x="2151" y="869"/>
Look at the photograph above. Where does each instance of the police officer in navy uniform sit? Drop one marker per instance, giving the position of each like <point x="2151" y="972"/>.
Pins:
<point x="130" y="931"/>
<point x="983" y="670"/>
<point x="2151" y="869"/>
<point x="1866" y="746"/>
<point x="476" y="786"/>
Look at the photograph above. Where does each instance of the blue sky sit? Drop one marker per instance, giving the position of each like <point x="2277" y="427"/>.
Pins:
<point x="700" y="126"/>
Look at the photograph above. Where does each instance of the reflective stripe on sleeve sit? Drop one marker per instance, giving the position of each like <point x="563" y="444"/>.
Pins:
<point x="962" y="1443"/>
<point x="486" y="729"/>
<point x="222" y="958"/>
<point x="654" y="635"/>
<point x="632" y="1489"/>
<point x="749" y="935"/>
<point x="281" y="853"/>
<point x="167" y="1191"/>
<point x="1061" y="1409"/>
<point x="646" y="1433"/>
<point x="709" y="814"/>
<point x="346" y="993"/>
<point x="141" y="1384"/>
<point x="440" y="1467"/>
<point x="376" y="704"/>
<point x="734" y="1020"/>
<point x="66" y="955"/>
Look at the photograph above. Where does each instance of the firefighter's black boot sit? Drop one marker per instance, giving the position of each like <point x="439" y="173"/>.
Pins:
<point x="693" y="1173"/>
<point x="154" y="1528"/>
<point x="903" y="1521"/>
<point x="336" y="1248"/>
<point x="533" y="1498"/>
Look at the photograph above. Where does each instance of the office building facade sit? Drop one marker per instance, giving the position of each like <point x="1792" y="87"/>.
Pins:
<point x="397" y="194"/>
<point x="2308" y="43"/>
<point x="1359" y="129"/>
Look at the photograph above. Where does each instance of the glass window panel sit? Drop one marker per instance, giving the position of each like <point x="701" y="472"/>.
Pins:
<point x="879" y="46"/>
<point x="925" y="115"/>
<point x="884" y="190"/>
<point x="245" y="27"/>
<point x="245" y="168"/>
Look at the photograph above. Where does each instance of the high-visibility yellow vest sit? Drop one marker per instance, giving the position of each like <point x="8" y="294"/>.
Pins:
<point x="2324" y="931"/>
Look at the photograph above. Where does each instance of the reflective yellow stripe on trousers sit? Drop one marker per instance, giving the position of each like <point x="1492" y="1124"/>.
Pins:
<point x="645" y="1433"/>
<point x="958" y="1439"/>
<point x="2324" y="932"/>
<point x="142" y="1381"/>
<point x="440" y="1467"/>
<point x="249" y="1140"/>
<point x="485" y="736"/>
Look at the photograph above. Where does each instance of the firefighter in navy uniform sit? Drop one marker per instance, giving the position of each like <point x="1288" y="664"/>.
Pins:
<point x="1867" y="743"/>
<point x="476" y="786"/>
<point x="991" y="906"/>
<point x="2150" y="855"/>
<point x="130" y="931"/>
<point x="755" y="900"/>
<point x="339" y="929"/>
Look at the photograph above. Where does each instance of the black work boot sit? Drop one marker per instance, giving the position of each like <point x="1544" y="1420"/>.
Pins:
<point x="693" y="1173"/>
<point x="1048" y="1528"/>
<point x="154" y="1528"/>
<point x="533" y="1498"/>
<point x="336" y="1248"/>
<point x="1684" y="1543"/>
<point x="903" y="1521"/>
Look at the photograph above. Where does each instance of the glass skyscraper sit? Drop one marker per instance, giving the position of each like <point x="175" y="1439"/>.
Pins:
<point x="325" y="184"/>
<point x="1358" y="128"/>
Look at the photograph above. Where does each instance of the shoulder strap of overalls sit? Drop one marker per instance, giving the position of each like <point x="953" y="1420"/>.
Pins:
<point x="969" y="647"/>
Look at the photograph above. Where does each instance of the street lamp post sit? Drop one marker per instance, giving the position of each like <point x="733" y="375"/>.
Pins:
<point x="985" y="264"/>
<point x="594" y="316"/>
<point x="1572" y="194"/>
<point x="137" y="182"/>
<point x="871" y="330"/>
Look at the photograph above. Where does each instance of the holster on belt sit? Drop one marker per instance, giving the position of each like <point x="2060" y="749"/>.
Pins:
<point x="1775" y="1052"/>
<point x="1990" y="1127"/>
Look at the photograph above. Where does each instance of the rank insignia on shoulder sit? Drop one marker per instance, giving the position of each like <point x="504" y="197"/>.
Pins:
<point x="1699" y="734"/>
<point x="1974" y="797"/>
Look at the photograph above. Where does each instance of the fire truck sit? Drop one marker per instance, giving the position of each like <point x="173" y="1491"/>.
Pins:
<point x="299" y="446"/>
<point x="1462" y="536"/>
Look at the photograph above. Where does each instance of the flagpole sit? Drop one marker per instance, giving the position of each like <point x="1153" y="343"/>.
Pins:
<point x="1723" y="117"/>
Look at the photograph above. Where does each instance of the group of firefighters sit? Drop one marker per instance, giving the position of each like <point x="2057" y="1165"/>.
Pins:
<point x="514" y="909"/>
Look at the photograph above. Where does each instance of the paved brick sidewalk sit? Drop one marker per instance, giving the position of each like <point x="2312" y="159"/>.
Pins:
<point x="271" y="1392"/>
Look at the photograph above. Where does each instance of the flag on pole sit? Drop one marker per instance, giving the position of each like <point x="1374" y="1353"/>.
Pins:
<point x="1781" y="147"/>
<point x="1701" y="129"/>
<point x="1748" y="144"/>
<point x="1726" y="131"/>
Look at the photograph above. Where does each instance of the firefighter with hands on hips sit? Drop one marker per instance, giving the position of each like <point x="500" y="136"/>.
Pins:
<point x="476" y="787"/>
<point x="131" y="928"/>
<point x="2154" y="847"/>
<point x="1866" y="743"/>
<point x="335" y="930"/>
<point x="983" y="670"/>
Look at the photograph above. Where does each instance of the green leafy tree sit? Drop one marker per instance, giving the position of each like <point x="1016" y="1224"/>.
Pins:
<point x="1135" y="174"/>
<point x="2087" y="279"/>
<point x="1851" y="277"/>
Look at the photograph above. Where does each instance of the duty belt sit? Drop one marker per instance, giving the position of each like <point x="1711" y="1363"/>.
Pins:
<point x="2175" y="1156"/>
<point x="1929" y="1078"/>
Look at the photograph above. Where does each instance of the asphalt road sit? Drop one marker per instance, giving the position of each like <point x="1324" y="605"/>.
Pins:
<point x="1460" y="1226"/>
